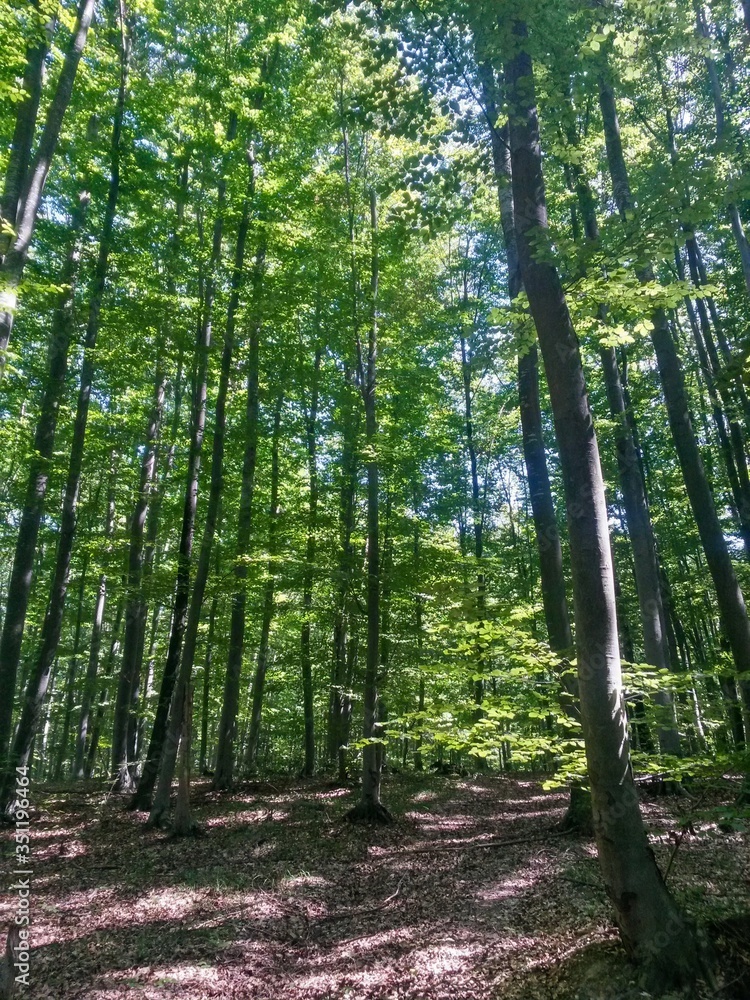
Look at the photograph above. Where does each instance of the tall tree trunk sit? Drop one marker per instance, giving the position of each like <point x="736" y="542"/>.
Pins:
<point x="311" y="431"/>
<point x="143" y="794"/>
<point x="723" y="127"/>
<point x="633" y="487"/>
<point x="70" y="678"/>
<point x="205" y="703"/>
<point x="135" y="611"/>
<point x="339" y="705"/>
<point x="644" y="909"/>
<point x="14" y="261"/>
<point x="225" y="756"/>
<point x="27" y="110"/>
<point x="36" y="488"/>
<point x="261" y="666"/>
<point x="477" y="514"/>
<point x="370" y="808"/>
<point x="554" y="594"/>
<point x="37" y="685"/>
<point x="177" y="724"/>
<point x="540" y="492"/>
<point x="106" y="683"/>
<point x="92" y="669"/>
<point x="729" y="596"/>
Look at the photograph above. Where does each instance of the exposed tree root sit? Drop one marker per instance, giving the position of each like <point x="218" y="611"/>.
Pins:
<point x="579" y="816"/>
<point x="369" y="812"/>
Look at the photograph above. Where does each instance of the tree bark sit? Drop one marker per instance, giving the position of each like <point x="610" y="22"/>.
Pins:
<point x="27" y="110"/>
<point x="135" y="611"/>
<point x="652" y="928"/>
<point x="311" y="431"/>
<point x="70" y="678"/>
<point x="37" y="685"/>
<point x="14" y="261"/>
<point x="731" y="603"/>
<point x="177" y="724"/>
<point x="207" y="661"/>
<point x="36" y="488"/>
<point x="89" y="681"/>
<point x="370" y="809"/>
<point x="261" y="666"/>
<point x="143" y="794"/>
<point x="225" y="757"/>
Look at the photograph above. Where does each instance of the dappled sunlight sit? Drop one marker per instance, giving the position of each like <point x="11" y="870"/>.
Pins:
<point x="511" y="888"/>
<point x="465" y="900"/>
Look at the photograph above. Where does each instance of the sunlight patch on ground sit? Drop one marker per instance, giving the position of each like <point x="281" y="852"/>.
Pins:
<point x="248" y="817"/>
<point x="444" y="959"/>
<point x="508" y="889"/>
<point x="425" y="796"/>
<point x="292" y="881"/>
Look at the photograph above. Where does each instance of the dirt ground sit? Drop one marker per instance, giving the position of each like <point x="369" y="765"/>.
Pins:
<point x="470" y="895"/>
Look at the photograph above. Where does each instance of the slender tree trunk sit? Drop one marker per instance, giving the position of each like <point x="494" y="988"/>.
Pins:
<point x="307" y="588"/>
<point x="540" y="492"/>
<point x="36" y="488"/>
<point x="729" y="596"/>
<point x="477" y="515"/>
<point x="261" y="665"/>
<point x="418" y="609"/>
<point x="225" y="757"/>
<point x="142" y="798"/>
<point x="27" y="110"/>
<point x="177" y="724"/>
<point x="70" y="678"/>
<point x="633" y="487"/>
<point x="370" y="808"/>
<point x="90" y="678"/>
<point x="14" y="261"/>
<point x="135" y="612"/>
<point x="107" y="679"/>
<point x="37" y="685"/>
<point x="205" y="703"/>
<point x="645" y="911"/>
<point x="184" y="824"/>
<point x="339" y="706"/>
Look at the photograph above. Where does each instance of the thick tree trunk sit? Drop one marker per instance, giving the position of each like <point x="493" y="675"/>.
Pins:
<point x="652" y="928"/>
<point x="261" y="666"/>
<point x="36" y="488"/>
<point x="14" y="261"/>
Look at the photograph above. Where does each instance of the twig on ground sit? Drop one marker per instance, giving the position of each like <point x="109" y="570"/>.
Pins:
<point x="363" y="911"/>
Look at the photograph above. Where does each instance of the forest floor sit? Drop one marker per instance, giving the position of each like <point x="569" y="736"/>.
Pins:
<point x="470" y="895"/>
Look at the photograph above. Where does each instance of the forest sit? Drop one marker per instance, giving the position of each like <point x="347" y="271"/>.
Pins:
<point x="375" y="499"/>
